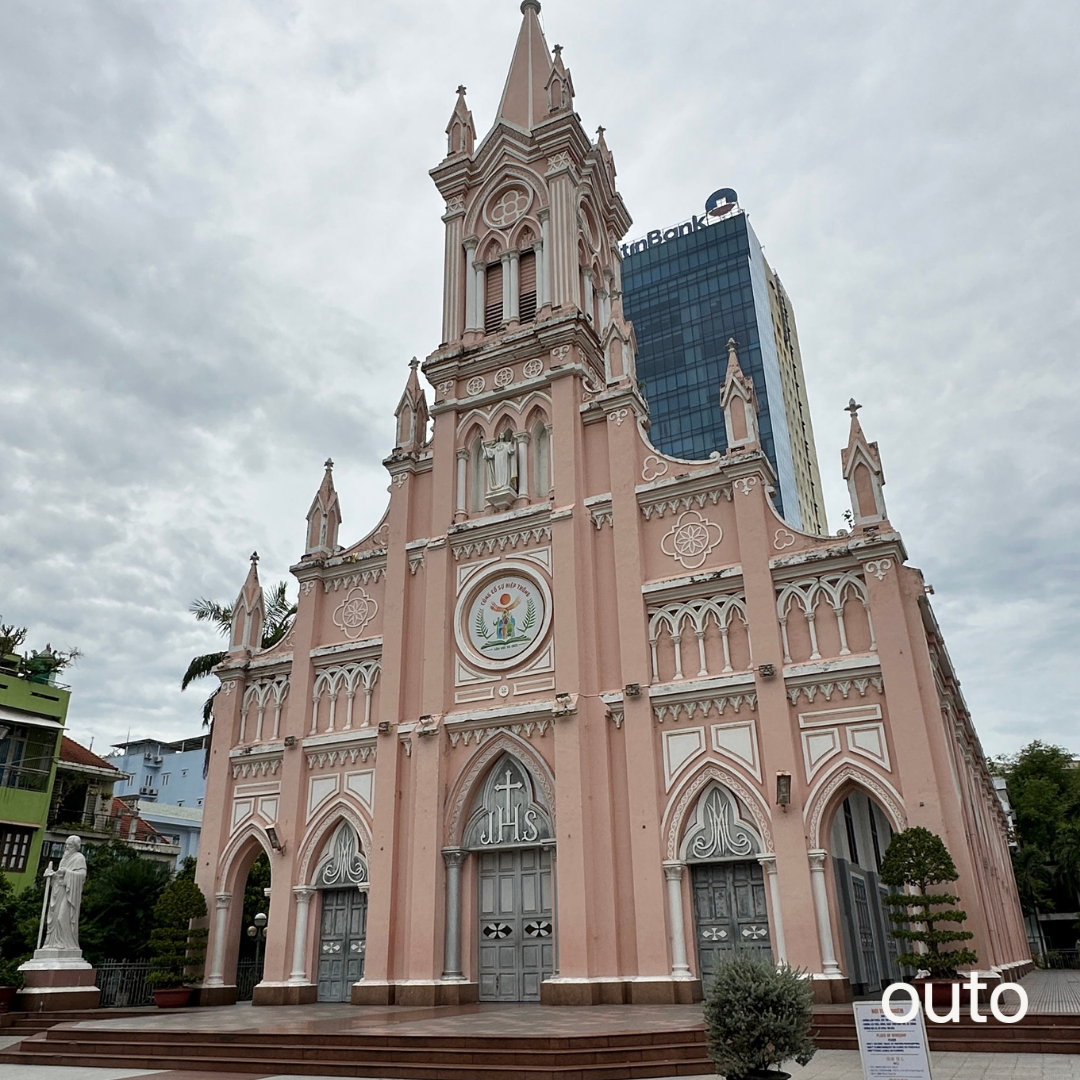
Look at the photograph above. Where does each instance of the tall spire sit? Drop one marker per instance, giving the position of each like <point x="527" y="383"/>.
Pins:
<point x="324" y="517"/>
<point x="863" y="472"/>
<point x="412" y="414"/>
<point x="739" y="403"/>
<point x="460" y="131"/>
<point x="249" y="612"/>
<point x="525" y="97"/>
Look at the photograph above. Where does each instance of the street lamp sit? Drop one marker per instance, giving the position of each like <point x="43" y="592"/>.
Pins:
<point x="258" y="932"/>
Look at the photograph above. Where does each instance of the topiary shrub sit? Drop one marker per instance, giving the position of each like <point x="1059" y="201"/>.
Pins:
<point x="918" y="859"/>
<point x="177" y="949"/>
<point x="758" y="1015"/>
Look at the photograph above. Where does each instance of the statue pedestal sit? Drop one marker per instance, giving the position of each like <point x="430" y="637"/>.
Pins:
<point x="57" y="979"/>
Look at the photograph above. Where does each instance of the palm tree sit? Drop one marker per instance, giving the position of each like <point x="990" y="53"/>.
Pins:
<point x="279" y="619"/>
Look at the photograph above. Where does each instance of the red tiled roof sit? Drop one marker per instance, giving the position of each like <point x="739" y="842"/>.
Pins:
<point x="143" y="829"/>
<point x="76" y="754"/>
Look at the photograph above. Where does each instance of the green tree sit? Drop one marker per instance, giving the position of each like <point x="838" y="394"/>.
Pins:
<point x="279" y="618"/>
<point x="1043" y="783"/>
<point x="917" y="858"/>
<point x="178" y="948"/>
<point x="757" y="1015"/>
<point x="118" y="902"/>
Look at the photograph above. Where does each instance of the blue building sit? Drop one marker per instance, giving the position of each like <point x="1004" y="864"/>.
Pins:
<point x="687" y="290"/>
<point x="166" y="786"/>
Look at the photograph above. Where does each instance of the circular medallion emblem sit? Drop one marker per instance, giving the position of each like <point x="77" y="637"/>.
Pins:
<point x="504" y="619"/>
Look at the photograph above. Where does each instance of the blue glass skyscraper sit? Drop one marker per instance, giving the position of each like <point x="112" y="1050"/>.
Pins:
<point x="687" y="290"/>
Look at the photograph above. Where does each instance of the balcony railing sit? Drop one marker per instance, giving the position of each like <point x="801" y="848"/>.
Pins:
<point x="12" y="776"/>
<point x="106" y="824"/>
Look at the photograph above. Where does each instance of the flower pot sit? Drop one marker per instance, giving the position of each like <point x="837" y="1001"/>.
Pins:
<point x="174" y="997"/>
<point x="7" y="996"/>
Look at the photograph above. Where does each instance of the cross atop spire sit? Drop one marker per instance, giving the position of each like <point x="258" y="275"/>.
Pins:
<point x="524" y="99"/>
<point x="853" y="407"/>
<point x="254" y="557"/>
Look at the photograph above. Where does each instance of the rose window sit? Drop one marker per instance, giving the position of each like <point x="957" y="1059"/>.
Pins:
<point x="509" y="206"/>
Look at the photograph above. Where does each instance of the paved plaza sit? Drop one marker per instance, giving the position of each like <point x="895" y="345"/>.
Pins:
<point x="831" y="1064"/>
<point x="1048" y="992"/>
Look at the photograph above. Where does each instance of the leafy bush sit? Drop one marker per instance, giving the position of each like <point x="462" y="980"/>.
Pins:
<point x="758" y="1015"/>
<point x="178" y="948"/>
<point x="917" y="858"/>
<point x="10" y="975"/>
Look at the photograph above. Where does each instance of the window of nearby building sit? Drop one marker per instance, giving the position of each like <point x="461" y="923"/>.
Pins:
<point x="14" y="848"/>
<point x="26" y="758"/>
<point x="180" y="802"/>
<point x="183" y="772"/>
<point x="200" y="802"/>
<point x="165" y="779"/>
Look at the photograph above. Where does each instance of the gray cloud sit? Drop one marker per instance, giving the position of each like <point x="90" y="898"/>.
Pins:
<point x="219" y="246"/>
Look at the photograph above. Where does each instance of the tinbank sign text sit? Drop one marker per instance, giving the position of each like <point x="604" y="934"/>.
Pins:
<point x="718" y="205"/>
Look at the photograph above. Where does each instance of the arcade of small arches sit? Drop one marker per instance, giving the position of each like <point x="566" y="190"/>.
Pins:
<point x="722" y="881"/>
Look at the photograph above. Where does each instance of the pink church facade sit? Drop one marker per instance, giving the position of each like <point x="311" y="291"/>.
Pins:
<point x="578" y="720"/>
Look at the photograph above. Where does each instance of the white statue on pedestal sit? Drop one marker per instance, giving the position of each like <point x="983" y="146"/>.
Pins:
<point x="502" y="471"/>
<point x="65" y="885"/>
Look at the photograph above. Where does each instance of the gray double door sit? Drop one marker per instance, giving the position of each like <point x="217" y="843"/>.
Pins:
<point x="730" y="915"/>
<point x="516" y="931"/>
<point x="342" y="942"/>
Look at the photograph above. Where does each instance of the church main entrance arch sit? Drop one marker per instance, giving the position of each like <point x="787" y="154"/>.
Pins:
<point x="510" y="833"/>
<point x="341" y="877"/>
<point x="858" y="839"/>
<point x="727" y="883"/>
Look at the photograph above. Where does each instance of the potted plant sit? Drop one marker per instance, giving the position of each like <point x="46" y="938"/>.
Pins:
<point x="177" y="949"/>
<point x="917" y="860"/>
<point x="11" y="981"/>
<point x="758" y="1015"/>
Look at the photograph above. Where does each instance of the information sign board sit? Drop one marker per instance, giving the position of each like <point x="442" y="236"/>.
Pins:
<point x="891" y="1050"/>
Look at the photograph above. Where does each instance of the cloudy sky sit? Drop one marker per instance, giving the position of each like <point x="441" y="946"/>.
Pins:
<point x="219" y="247"/>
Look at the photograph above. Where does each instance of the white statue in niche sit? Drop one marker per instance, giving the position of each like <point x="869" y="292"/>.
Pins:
<point x="502" y="473"/>
<point x="65" y="885"/>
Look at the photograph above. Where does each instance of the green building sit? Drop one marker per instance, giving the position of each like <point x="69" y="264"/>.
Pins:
<point x="32" y="714"/>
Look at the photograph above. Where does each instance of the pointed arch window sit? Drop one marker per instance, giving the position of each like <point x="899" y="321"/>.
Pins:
<point x="527" y="286"/>
<point x="493" y="298"/>
<point x="476" y="473"/>
<point x="541" y="441"/>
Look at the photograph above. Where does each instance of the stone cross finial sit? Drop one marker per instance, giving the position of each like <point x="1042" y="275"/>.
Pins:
<point x="461" y="89"/>
<point x="557" y="50"/>
<point x="328" y="463"/>
<point x="853" y="407"/>
<point x="414" y="363"/>
<point x="254" y="556"/>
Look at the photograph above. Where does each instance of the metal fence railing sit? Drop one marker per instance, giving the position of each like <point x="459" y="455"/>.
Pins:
<point x="247" y="975"/>
<point x="1059" y="958"/>
<point x="123" y="983"/>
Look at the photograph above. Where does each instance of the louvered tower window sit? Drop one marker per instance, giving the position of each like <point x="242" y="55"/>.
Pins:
<point x="527" y="286"/>
<point x="493" y="298"/>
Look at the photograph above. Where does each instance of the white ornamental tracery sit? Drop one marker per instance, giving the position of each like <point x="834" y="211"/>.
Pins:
<point x="695" y="616"/>
<point x="718" y="830"/>
<point x="808" y="593"/>
<point x="507" y="811"/>
<point x="691" y="539"/>
<point x="355" y="611"/>
<point x="351" y="678"/>
<point x="342" y="864"/>
<point x="260" y="695"/>
<point x="508" y="207"/>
